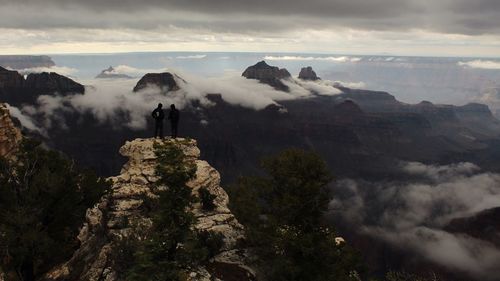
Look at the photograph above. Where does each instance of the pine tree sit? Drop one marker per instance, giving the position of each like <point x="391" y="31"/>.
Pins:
<point x="283" y="214"/>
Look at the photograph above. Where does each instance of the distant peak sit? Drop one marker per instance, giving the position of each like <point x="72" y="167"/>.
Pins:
<point x="307" y="73"/>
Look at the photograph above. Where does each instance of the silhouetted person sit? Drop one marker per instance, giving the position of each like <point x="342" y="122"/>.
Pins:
<point x="158" y="115"/>
<point x="173" y="116"/>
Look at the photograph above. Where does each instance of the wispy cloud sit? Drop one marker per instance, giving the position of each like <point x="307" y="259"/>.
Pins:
<point x="302" y="58"/>
<point x="483" y="64"/>
<point x="25" y="120"/>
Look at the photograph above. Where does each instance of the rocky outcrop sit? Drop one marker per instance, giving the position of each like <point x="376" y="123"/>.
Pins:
<point x="10" y="79"/>
<point x="49" y="83"/>
<point x="16" y="90"/>
<point x="307" y="73"/>
<point x="165" y="81"/>
<point x="109" y="220"/>
<point x="10" y="136"/>
<point x="23" y="62"/>
<point x="110" y="73"/>
<point x="267" y="74"/>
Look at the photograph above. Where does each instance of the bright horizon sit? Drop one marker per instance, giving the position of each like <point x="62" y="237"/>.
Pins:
<point x="450" y="28"/>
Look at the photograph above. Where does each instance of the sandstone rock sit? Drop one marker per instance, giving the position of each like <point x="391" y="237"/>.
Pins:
<point x="267" y="74"/>
<point x="109" y="220"/>
<point x="165" y="81"/>
<point x="10" y="136"/>
<point x="307" y="73"/>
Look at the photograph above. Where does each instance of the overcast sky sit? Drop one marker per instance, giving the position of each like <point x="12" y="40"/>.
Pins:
<point x="404" y="27"/>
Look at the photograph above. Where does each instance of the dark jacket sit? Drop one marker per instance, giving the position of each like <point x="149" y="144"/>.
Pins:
<point x="173" y="115"/>
<point x="158" y="114"/>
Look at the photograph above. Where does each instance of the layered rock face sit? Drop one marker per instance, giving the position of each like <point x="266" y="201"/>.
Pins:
<point x="164" y="80"/>
<point x="109" y="220"/>
<point x="10" y="136"/>
<point x="307" y="73"/>
<point x="267" y="74"/>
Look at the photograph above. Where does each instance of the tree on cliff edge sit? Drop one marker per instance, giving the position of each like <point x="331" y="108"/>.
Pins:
<point x="283" y="214"/>
<point x="170" y="247"/>
<point x="43" y="200"/>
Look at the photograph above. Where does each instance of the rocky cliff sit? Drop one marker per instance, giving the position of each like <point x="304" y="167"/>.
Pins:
<point x="10" y="136"/>
<point x="108" y="221"/>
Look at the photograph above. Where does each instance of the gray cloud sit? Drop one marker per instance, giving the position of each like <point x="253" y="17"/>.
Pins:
<point x="259" y="16"/>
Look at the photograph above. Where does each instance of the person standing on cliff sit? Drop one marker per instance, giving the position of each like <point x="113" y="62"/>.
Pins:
<point x="158" y="115"/>
<point x="173" y="116"/>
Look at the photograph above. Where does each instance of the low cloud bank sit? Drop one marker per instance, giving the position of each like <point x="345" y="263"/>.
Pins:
<point x="192" y="57"/>
<point x="482" y="64"/>
<point x="412" y="214"/>
<point x="301" y="58"/>
<point x="108" y="100"/>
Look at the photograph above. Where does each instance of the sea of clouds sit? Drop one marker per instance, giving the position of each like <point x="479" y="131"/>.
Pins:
<point x="412" y="214"/>
<point x="104" y="97"/>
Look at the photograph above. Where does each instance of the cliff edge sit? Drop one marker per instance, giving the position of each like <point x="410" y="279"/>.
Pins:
<point x="108" y="220"/>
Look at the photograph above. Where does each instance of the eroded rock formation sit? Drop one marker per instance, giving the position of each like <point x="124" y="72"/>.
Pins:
<point x="267" y="74"/>
<point x="108" y="221"/>
<point x="10" y="136"/>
